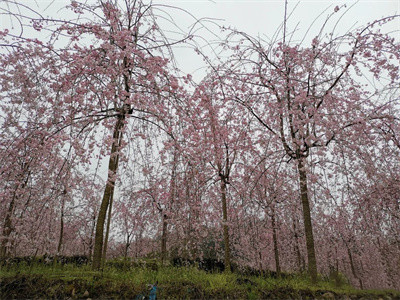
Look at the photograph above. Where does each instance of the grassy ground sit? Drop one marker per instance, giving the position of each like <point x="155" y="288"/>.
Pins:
<point x="68" y="281"/>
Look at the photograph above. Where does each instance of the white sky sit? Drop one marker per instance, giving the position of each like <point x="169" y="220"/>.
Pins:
<point x="263" y="17"/>
<point x="255" y="17"/>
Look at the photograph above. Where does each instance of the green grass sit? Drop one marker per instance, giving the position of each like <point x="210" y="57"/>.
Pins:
<point x="40" y="281"/>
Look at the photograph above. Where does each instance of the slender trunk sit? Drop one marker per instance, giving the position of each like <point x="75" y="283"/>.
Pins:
<point x="353" y="269"/>
<point x="312" y="261"/>
<point x="194" y="250"/>
<point x="164" y="239"/>
<point x="186" y="241"/>
<point x="138" y="244"/>
<point x="297" y="247"/>
<point x="257" y="249"/>
<point x="333" y="266"/>
<point x="165" y="217"/>
<point x="104" y="255"/>
<point x="225" y="227"/>
<point x="60" y="239"/>
<point x="90" y="255"/>
<point x="108" y="192"/>
<point x="253" y="238"/>
<point x="275" y="239"/>
<point x="7" y="229"/>
<point x="127" y="245"/>
<point x="186" y="251"/>
<point x="385" y="261"/>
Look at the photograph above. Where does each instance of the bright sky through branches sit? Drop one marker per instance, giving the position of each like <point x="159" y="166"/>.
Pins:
<point x="255" y="17"/>
<point x="263" y="18"/>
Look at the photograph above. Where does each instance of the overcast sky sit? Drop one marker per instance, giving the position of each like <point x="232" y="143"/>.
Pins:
<point x="263" y="17"/>
<point x="255" y="17"/>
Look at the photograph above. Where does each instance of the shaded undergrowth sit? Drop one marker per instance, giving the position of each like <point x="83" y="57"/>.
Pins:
<point x="36" y="281"/>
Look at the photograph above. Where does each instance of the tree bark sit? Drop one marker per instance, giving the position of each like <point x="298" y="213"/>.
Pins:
<point x="61" y="237"/>
<point x="353" y="268"/>
<point x="312" y="261"/>
<point x="186" y="242"/>
<point x="171" y="202"/>
<point x="275" y="240"/>
<point x="60" y="240"/>
<point x="7" y="229"/>
<point x="91" y="244"/>
<point x="108" y="192"/>
<point x="164" y="239"/>
<point x="225" y="227"/>
<point x="127" y="245"/>
<point x="297" y="247"/>
<point x="104" y="255"/>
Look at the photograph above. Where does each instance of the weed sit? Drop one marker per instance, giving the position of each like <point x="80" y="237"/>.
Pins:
<point x="133" y="279"/>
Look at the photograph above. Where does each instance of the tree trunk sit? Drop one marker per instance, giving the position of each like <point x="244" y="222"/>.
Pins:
<point x="60" y="239"/>
<point x="90" y="254"/>
<point x="312" y="261"/>
<point x="108" y="192"/>
<point x="275" y="239"/>
<point x="104" y="255"/>
<point x="164" y="239"/>
<point x="353" y="269"/>
<point x="385" y="261"/>
<point x="164" y="216"/>
<point x="7" y="229"/>
<point x="127" y="245"/>
<point x="297" y="246"/>
<point x="225" y="227"/>
<point x="186" y="242"/>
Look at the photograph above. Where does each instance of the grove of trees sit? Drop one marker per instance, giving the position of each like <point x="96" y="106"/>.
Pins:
<point x="285" y="157"/>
